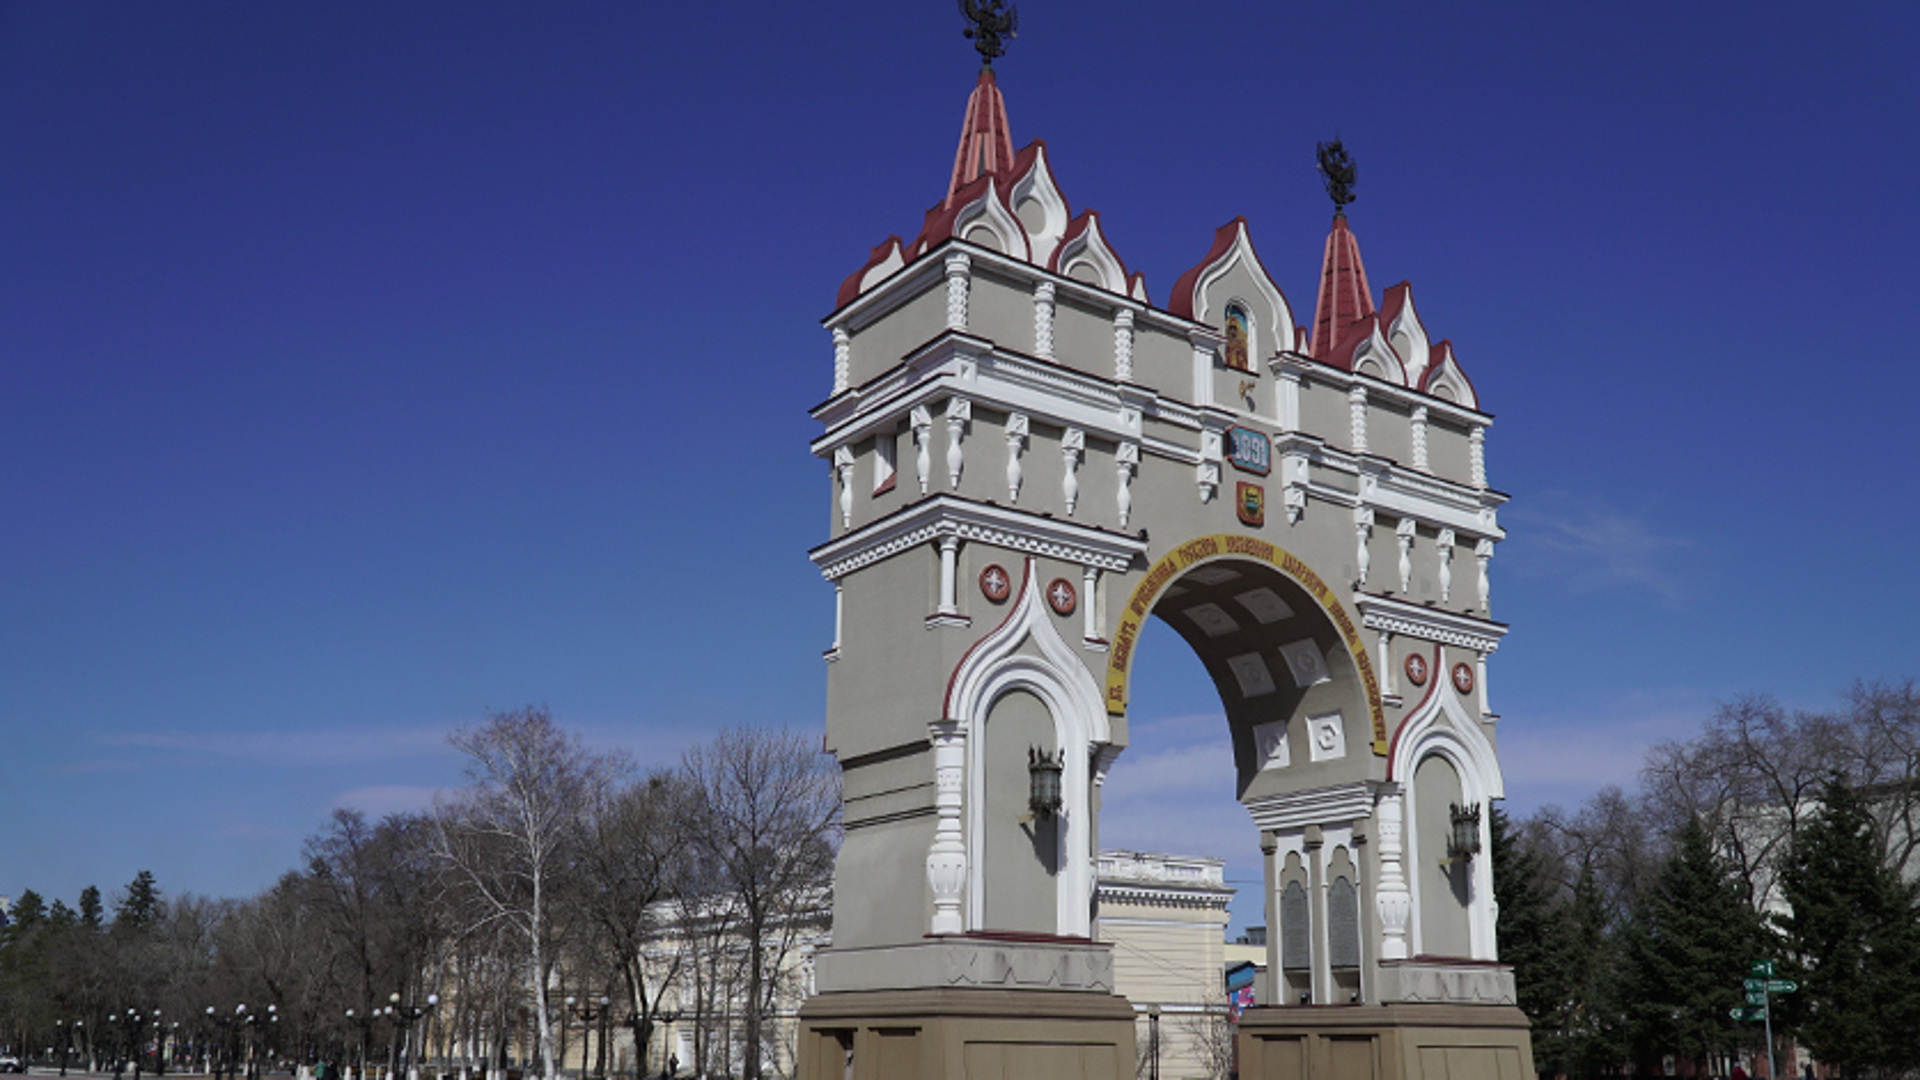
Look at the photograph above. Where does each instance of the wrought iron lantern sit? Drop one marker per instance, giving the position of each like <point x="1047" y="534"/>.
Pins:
<point x="1463" y="841"/>
<point x="1043" y="777"/>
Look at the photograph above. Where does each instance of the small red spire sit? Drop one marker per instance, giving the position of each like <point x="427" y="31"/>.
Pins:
<point x="1344" y="298"/>
<point x="986" y="146"/>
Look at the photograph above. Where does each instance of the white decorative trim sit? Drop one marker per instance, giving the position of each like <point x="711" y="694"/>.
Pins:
<point x="1357" y="417"/>
<point x="988" y="212"/>
<point x="1415" y="353"/>
<point x="1338" y="804"/>
<point x="1387" y="615"/>
<point x="1362" y="532"/>
<point x="1461" y="742"/>
<point x="947" y="857"/>
<point x="1404" y="533"/>
<point x="995" y="666"/>
<point x="1073" y="445"/>
<point x="842" y="358"/>
<point x="1477" y="449"/>
<point x="843" y="465"/>
<point x="949" y="515"/>
<point x="1393" y="899"/>
<point x="959" y="414"/>
<point x="1017" y="428"/>
<point x="1483" y="551"/>
<point x="1090" y="249"/>
<point x="958" y="264"/>
<point x="1043" y="320"/>
<point x="1420" y="458"/>
<point x="1444" y="549"/>
<point x="1279" y="328"/>
<point x="1038" y="184"/>
<point x="1123" y="345"/>
<point x="1126" y="459"/>
<point x="921" y="418"/>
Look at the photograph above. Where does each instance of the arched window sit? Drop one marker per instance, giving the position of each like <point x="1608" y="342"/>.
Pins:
<point x="1239" y="338"/>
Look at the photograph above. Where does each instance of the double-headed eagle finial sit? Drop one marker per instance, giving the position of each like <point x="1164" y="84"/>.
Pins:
<point x="1336" y="165"/>
<point x="993" y="26"/>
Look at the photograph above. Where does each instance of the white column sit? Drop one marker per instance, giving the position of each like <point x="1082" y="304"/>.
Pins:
<point x="1286" y="402"/>
<point x="1444" y="549"/>
<point x="1017" y="428"/>
<point x="959" y="412"/>
<point x="1202" y="368"/>
<point x="843" y="464"/>
<point x="1404" y="533"/>
<point x="1362" y="532"/>
<point x="1389" y="678"/>
<point x="1477" y="448"/>
<point x="1043" y="320"/>
<point x="1089" y="581"/>
<point x="1392" y="898"/>
<point x="1420" y="439"/>
<point x="1357" y="416"/>
<point x="1126" y="459"/>
<point x="949" y="553"/>
<point x="922" y="420"/>
<point x="1072" y="444"/>
<point x="947" y="857"/>
<point x="959" y="268"/>
<point x="1123" y="345"/>
<point x="842" y="358"/>
<point x="1480" y="682"/>
<point x="1484" y="552"/>
<point x="839" y="612"/>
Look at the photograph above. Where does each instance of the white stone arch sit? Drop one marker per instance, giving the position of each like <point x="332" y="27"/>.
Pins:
<point x="1463" y="745"/>
<point x="994" y="667"/>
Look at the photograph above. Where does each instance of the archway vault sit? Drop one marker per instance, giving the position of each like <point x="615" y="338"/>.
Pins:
<point x="1191" y="555"/>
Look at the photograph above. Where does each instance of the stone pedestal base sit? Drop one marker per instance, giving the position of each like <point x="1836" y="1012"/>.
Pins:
<point x="966" y="1033"/>
<point x="1402" y="1041"/>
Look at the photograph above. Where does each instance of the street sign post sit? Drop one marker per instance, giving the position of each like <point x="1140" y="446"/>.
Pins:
<point x="1781" y="986"/>
<point x="1758" y="985"/>
<point x="1762" y="969"/>
<point x="1753" y="1012"/>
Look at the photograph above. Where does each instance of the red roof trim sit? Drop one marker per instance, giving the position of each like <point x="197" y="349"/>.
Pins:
<point x="850" y="288"/>
<point x="1180" y="301"/>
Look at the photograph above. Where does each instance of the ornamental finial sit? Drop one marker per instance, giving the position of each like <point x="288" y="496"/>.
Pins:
<point x="993" y="26"/>
<point x="1336" y="165"/>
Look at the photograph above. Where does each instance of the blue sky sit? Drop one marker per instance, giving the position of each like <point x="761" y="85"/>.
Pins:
<point x="368" y="366"/>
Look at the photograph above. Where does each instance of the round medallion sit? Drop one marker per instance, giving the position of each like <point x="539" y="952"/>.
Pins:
<point x="1416" y="668"/>
<point x="995" y="585"/>
<point x="1463" y="678"/>
<point x="1061" y="597"/>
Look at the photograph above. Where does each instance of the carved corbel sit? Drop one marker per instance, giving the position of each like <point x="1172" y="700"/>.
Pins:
<point x="1362" y="532"/>
<point x="1018" y="427"/>
<point x="922" y="420"/>
<point x="1404" y="533"/>
<point x="959" y="413"/>
<point x="1484" y="552"/>
<point x="843" y="464"/>
<point x="1126" y="459"/>
<point x="1443" y="547"/>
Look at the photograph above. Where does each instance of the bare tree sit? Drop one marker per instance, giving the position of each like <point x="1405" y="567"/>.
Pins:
<point x="766" y="822"/>
<point x="513" y="837"/>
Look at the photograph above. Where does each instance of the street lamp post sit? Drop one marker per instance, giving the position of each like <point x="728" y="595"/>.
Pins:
<point x="588" y="1012"/>
<point x="365" y="1024"/>
<point x="159" y="1045"/>
<point x="404" y="1017"/>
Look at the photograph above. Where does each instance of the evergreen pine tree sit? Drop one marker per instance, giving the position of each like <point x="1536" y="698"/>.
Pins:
<point x="1534" y="938"/>
<point x="1687" y="952"/>
<point x="91" y="912"/>
<point x="1854" y="937"/>
<point x="142" y="904"/>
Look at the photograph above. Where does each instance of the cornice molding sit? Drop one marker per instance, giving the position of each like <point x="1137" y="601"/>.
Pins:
<point x="951" y="515"/>
<point x="1417" y="620"/>
<point x="1339" y="804"/>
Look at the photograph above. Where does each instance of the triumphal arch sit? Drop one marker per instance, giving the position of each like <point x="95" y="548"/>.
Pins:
<point x="1032" y="453"/>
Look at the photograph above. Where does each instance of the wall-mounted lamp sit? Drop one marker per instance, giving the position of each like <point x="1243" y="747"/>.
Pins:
<point x="1463" y="840"/>
<point x="1043" y="782"/>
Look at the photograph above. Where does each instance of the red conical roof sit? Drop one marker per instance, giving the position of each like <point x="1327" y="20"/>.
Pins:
<point x="986" y="146"/>
<point x="1344" y="297"/>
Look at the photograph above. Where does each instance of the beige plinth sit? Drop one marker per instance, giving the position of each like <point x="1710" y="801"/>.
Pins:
<point x="975" y="1033"/>
<point x="1408" y="1041"/>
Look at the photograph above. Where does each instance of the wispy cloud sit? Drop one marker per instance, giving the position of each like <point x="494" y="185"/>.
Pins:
<point x="1566" y="757"/>
<point x="314" y="747"/>
<point x="1589" y="546"/>
<point x="380" y="800"/>
<point x="1172" y="791"/>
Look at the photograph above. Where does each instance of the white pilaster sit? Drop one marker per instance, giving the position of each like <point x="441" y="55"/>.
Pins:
<point x="959" y="274"/>
<point x="1089" y="581"/>
<point x="949" y="561"/>
<point x="1477" y="448"/>
<point x="839" y="612"/>
<point x="1392" y="898"/>
<point x="1202" y="369"/>
<point x="1480" y="683"/>
<point x="947" y="857"/>
<point x="1123" y="345"/>
<point x="1389" y="678"/>
<point x="842" y="358"/>
<point x="1043" y="320"/>
<point x="1286" y="401"/>
<point x="1420" y="439"/>
<point x="1357" y="416"/>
